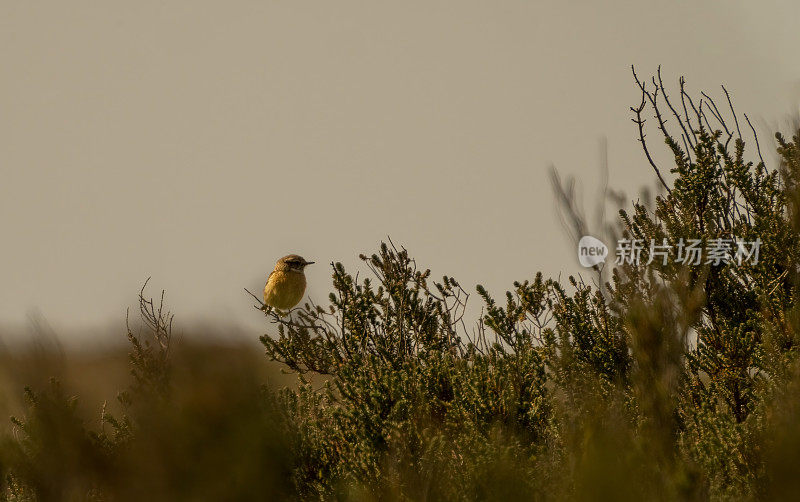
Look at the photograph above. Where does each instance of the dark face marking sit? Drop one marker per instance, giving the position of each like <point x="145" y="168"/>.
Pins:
<point x="296" y="263"/>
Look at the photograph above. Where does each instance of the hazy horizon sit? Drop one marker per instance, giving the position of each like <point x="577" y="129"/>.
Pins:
<point x="196" y="143"/>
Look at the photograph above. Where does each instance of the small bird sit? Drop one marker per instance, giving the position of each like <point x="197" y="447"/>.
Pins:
<point x="287" y="283"/>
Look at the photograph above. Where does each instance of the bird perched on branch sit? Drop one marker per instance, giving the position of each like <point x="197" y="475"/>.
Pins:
<point x="287" y="283"/>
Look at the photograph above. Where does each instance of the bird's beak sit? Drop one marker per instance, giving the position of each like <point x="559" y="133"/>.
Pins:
<point x="310" y="262"/>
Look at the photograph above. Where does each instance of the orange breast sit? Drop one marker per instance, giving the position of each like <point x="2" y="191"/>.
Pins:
<point x="284" y="290"/>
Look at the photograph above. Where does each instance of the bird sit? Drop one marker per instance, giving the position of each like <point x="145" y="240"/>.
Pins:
<point x="287" y="283"/>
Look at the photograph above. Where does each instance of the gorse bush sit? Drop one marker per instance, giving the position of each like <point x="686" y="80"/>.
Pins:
<point x="651" y="380"/>
<point x="406" y="401"/>
<point x="660" y="382"/>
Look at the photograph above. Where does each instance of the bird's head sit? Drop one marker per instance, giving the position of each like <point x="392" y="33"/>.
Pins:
<point x="293" y="263"/>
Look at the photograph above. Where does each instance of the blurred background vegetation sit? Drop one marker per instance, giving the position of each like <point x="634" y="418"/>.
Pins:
<point x="645" y="382"/>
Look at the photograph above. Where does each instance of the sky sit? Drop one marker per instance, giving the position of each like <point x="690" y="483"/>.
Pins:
<point x="197" y="142"/>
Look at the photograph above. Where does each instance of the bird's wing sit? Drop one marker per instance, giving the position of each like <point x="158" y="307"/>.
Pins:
<point x="268" y="278"/>
<point x="266" y="285"/>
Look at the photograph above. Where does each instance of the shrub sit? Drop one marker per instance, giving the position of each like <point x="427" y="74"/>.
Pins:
<point x="657" y="381"/>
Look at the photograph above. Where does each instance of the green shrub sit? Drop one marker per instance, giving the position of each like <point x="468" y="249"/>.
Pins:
<point x="660" y="381"/>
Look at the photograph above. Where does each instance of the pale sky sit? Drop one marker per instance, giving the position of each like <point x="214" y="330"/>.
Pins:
<point x="197" y="142"/>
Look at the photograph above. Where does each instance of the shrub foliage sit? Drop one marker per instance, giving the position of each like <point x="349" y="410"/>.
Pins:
<point x="659" y="380"/>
